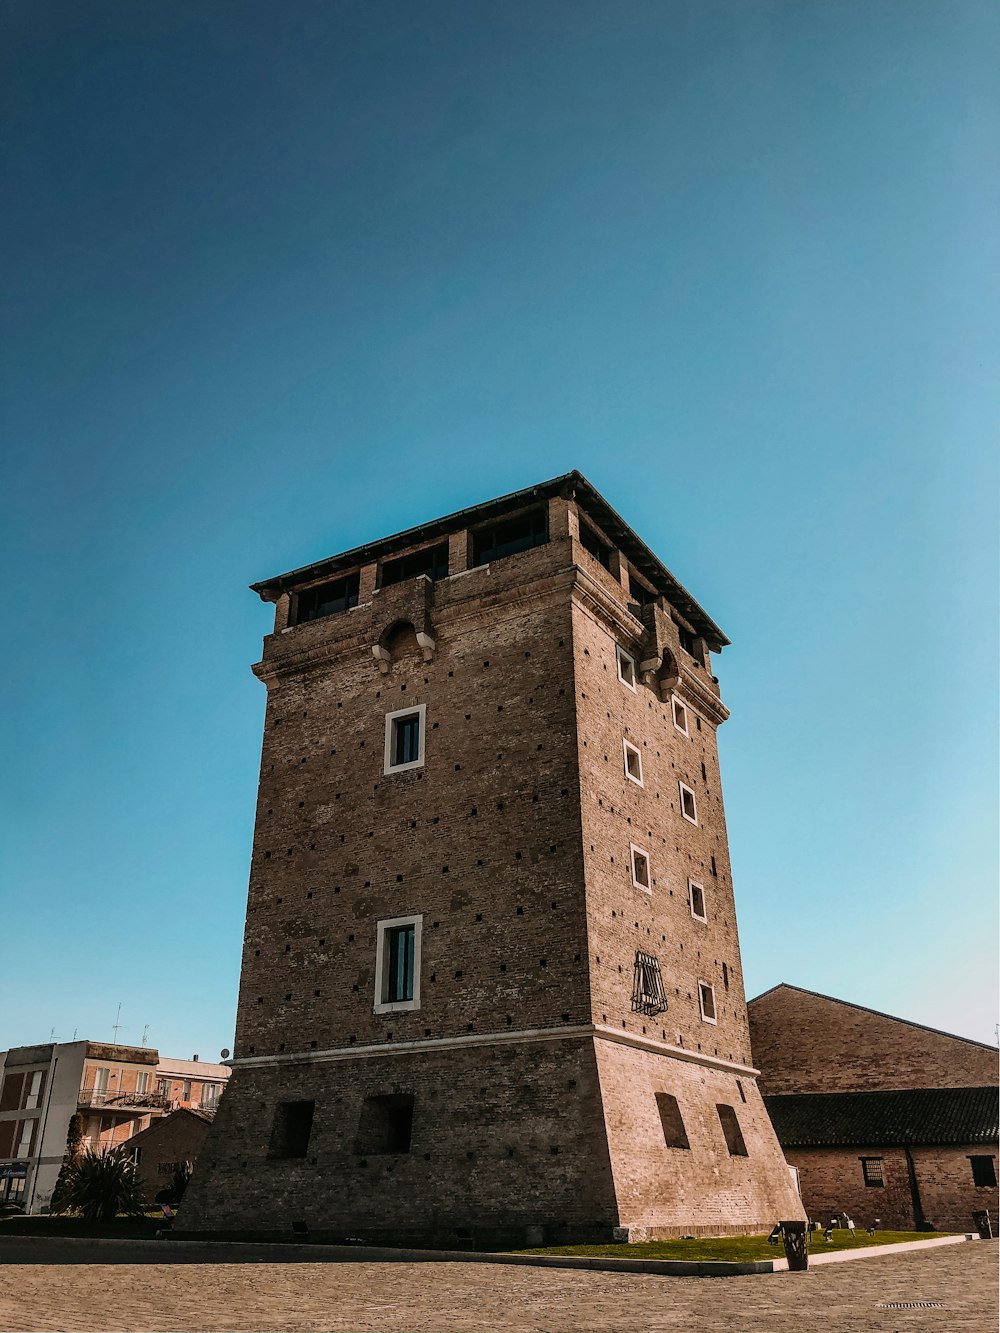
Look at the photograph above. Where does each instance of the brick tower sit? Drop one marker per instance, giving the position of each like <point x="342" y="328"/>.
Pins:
<point x="491" y="989"/>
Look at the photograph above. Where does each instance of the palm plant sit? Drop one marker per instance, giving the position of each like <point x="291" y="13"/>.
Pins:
<point x="100" y="1185"/>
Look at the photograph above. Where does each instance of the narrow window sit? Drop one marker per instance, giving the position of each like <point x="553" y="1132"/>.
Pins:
<point x="640" y="869"/>
<point x="34" y="1090"/>
<point x="142" y="1081"/>
<point x="326" y="599"/>
<point x="593" y="545"/>
<point x="984" y="1171"/>
<point x="24" y="1138"/>
<point x="291" y="1128"/>
<point x="674" y="1133"/>
<point x="404" y="739"/>
<point x="432" y="562"/>
<point x="680" y="715"/>
<point x="725" y="975"/>
<point x="689" y="641"/>
<point x="626" y="668"/>
<point x="706" y="999"/>
<point x="731" y="1129"/>
<point x="648" y="996"/>
<point x="633" y="763"/>
<point x="397" y="964"/>
<point x="871" y="1170"/>
<point x="696" y="894"/>
<point x="511" y="535"/>
<point x="689" y="808"/>
<point x="385" y="1125"/>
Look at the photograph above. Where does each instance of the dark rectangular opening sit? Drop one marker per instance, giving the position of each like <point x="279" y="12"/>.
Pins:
<point x="510" y="536"/>
<point x="871" y="1170"/>
<point x="291" y="1128"/>
<point x="399" y="964"/>
<point x="674" y="1133"/>
<point x="385" y="1125"/>
<point x="639" y="593"/>
<point x="326" y="599"/>
<point x="406" y="739"/>
<point x="431" y="561"/>
<point x="689" y="641"/>
<point x="592" y="544"/>
<point x="731" y="1129"/>
<point x="984" y="1170"/>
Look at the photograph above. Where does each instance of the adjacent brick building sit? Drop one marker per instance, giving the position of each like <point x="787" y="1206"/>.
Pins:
<point x="491" y="986"/>
<point x="167" y="1146"/>
<point x="881" y="1117"/>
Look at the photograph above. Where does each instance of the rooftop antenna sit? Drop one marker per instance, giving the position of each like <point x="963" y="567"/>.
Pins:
<point x="52" y="1034"/>
<point x="145" y="1034"/>
<point x="117" y="1023"/>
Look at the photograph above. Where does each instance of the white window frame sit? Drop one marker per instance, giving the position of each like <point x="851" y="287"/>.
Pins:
<point x="704" y="986"/>
<point x="629" y="748"/>
<point x="33" y="1093"/>
<point x="682" y="788"/>
<point x="142" y="1081"/>
<point x="622" y="656"/>
<point x="637" y="883"/>
<point x="692" y="885"/>
<point x="421" y="711"/>
<point x="23" y="1148"/>
<point x="678" y="705"/>
<point x="382" y="932"/>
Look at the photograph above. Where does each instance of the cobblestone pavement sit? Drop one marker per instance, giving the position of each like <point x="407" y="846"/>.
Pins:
<point x="479" y="1298"/>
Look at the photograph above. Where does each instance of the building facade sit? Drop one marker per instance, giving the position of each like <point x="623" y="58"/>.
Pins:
<point x="118" y="1090"/>
<point x="167" y="1146"/>
<point x="491" y="987"/>
<point x="883" y="1119"/>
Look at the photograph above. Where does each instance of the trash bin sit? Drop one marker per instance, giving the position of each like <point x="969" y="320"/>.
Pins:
<point x="793" y="1235"/>
<point x="981" y="1221"/>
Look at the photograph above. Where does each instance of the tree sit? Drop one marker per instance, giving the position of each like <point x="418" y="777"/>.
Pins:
<point x="74" y="1145"/>
<point x="100" y="1185"/>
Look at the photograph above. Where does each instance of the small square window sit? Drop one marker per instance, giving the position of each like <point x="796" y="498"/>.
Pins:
<point x="385" y="1125"/>
<point x="397" y="964"/>
<point x="633" y="763"/>
<point x="871" y="1170"/>
<point x="729" y="1121"/>
<point x="689" y="808"/>
<point x="680" y="714"/>
<point x="640" y="869"/>
<point x="404" y="739"/>
<point x="984" y="1171"/>
<point x="696" y="897"/>
<point x="626" y="668"/>
<point x="706" y="999"/>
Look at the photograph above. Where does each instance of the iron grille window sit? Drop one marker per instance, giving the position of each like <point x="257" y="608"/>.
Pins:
<point x="327" y="599"/>
<point x="510" y="536"/>
<point x="432" y="561"/>
<point x="871" y="1169"/>
<point x="399" y="964"/>
<point x="647" y="988"/>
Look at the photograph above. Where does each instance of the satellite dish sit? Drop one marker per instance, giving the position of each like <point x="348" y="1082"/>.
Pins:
<point x="225" y="1052"/>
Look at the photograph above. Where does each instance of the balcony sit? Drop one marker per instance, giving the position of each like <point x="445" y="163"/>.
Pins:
<point x="124" y="1101"/>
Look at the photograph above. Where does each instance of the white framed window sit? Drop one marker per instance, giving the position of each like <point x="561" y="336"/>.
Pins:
<point x="696" y="897"/>
<point x="626" y="668"/>
<point x="24" y="1138"/>
<point x="680" y="715"/>
<point x="633" y="763"/>
<point x="689" y="807"/>
<point x="397" y="964"/>
<point x="142" y="1081"/>
<point x="641" y="877"/>
<point x="706" y="1002"/>
<point x="404" y="738"/>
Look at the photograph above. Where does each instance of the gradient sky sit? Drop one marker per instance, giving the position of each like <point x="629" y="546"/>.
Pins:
<point x="280" y="278"/>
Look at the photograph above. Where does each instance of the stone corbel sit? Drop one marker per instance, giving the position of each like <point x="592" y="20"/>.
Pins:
<point x="427" y="645"/>
<point x="382" y="657"/>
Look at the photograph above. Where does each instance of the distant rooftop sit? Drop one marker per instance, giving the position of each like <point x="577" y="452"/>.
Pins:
<point x="571" y="485"/>
<point x="884" y="1119"/>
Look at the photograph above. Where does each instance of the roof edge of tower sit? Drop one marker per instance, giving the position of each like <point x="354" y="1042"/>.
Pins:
<point x="571" y="485"/>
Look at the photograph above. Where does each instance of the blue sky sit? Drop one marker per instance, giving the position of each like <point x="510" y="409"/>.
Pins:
<point x="284" y="278"/>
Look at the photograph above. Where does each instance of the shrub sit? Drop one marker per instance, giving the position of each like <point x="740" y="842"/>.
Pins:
<point x="100" y="1185"/>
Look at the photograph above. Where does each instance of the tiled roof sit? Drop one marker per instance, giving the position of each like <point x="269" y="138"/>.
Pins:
<point x="870" y="1119"/>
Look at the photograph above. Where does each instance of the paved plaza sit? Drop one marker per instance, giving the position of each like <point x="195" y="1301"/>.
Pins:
<point x="155" y="1297"/>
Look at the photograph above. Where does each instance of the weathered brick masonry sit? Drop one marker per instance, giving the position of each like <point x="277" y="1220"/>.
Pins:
<point x="529" y="1072"/>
